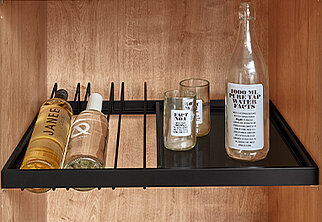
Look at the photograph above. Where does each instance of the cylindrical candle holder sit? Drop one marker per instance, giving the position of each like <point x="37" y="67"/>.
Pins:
<point x="201" y="88"/>
<point x="179" y="120"/>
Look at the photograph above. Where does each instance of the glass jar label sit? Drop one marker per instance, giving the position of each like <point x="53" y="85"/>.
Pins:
<point x="199" y="111"/>
<point x="188" y="105"/>
<point x="245" y="116"/>
<point x="180" y="122"/>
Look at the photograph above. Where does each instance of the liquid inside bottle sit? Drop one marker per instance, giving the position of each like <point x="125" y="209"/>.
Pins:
<point x="247" y="95"/>
<point x="88" y="138"/>
<point x="48" y="140"/>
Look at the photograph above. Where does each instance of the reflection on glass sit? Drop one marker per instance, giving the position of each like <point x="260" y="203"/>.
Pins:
<point x="186" y="159"/>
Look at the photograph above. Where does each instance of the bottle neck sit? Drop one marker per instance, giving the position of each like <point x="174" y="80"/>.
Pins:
<point x="61" y="94"/>
<point x="246" y="34"/>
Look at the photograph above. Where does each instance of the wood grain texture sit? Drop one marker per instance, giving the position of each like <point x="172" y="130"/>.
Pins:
<point x="154" y="204"/>
<point x="22" y="89"/>
<point x="295" y="34"/>
<point x="160" y="42"/>
<point x="160" y="204"/>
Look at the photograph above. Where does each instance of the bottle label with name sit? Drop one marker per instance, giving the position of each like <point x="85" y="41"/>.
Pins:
<point x="245" y="116"/>
<point x="180" y="122"/>
<point x="52" y="122"/>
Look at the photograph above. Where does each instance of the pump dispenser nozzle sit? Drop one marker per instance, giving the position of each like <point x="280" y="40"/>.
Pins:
<point x="95" y="102"/>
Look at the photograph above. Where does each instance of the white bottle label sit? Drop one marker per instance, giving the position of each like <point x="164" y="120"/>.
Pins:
<point x="199" y="111"/>
<point x="245" y="116"/>
<point x="188" y="105"/>
<point x="180" y="122"/>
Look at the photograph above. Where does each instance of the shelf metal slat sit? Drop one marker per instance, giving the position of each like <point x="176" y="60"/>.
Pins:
<point x="144" y="125"/>
<point x="87" y="94"/>
<point x="119" y="127"/>
<point x="110" y="105"/>
<point x="159" y="129"/>
<point x="155" y="177"/>
<point x="77" y="99"/>
<point x="53" y="92"/>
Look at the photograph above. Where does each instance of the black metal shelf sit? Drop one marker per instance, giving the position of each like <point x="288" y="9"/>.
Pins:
<point x="287" y="163"/>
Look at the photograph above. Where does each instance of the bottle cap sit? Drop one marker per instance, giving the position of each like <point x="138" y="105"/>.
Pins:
<point x="95" y="102"/>
<point x="62" y="94"/>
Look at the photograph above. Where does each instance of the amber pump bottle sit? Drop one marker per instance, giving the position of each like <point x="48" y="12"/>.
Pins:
<point x="48" y="140"/>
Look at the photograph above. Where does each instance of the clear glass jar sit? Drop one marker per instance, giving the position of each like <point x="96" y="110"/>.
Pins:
<point x="201" y="88"/>
<point x="179" y="123"/>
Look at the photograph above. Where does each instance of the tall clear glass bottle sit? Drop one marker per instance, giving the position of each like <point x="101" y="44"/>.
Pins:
<point x="48" y="140"/>
<point x="247" y="94"/>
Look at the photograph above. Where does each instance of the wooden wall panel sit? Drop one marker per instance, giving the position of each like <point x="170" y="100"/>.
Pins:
<point x="154" y="204"/>
<point x="160" y="42"/>
<point x="22" y="89"/>
<point x="295" y="58"/>
<point x="160" y="204"/>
